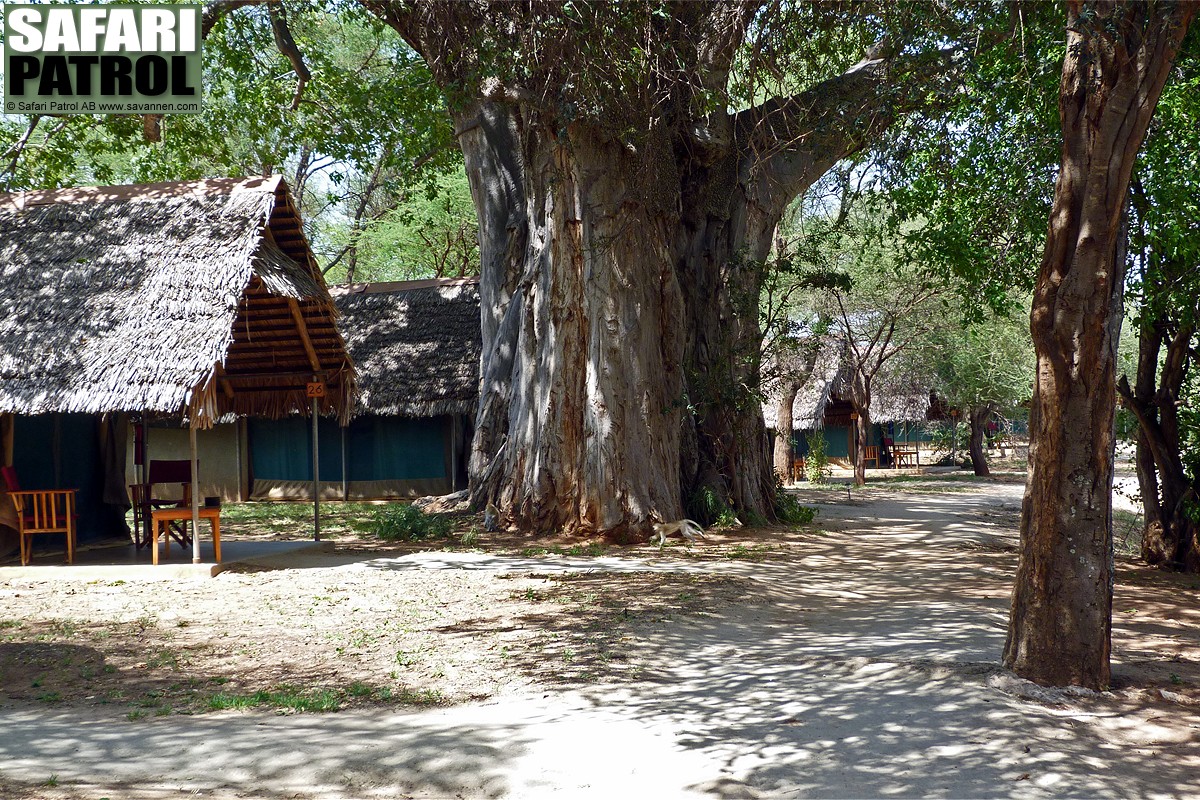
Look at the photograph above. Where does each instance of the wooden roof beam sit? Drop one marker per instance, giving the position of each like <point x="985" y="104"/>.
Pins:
<point x="298" y="315"/>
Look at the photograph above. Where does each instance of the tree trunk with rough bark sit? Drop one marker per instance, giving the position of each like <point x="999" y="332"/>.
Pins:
<point x="1169" y="537"/>
<point x="578" y="427"/>
<point x="623" y="228"/>
<point x="1118" y="58"/>
<point x="785" y="457"/>
<point x="978" y="416"/>
<point x="862" y="439"/>
<point x="731" y="206"/>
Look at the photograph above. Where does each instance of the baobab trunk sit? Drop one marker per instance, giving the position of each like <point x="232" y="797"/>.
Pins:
<point x="1117" y="61"/>
<point x="579" y="420"/>
<point x="621" y="218"/>
<point x="720" y="247"/>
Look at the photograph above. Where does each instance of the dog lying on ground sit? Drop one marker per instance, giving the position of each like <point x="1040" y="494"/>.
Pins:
<point x="686" y="528"/>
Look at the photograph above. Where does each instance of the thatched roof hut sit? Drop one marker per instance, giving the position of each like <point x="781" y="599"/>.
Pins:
<point x="415" y="344"/>
<point x="200" y="297"/>
<point x="899" y="394"/>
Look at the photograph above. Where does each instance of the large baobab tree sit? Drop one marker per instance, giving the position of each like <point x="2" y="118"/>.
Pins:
<point x="629" y="163"/>
<point x="1119" y="55"/>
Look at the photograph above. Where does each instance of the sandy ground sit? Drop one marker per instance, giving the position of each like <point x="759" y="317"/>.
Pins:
<point x="858" y="658"/>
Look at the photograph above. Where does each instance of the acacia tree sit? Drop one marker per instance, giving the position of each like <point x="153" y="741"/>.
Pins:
<point x="983" y="368"/>
<point x="1117" y="62"/>
<point x="629" y="165"/>
<point x="886" y="309"/>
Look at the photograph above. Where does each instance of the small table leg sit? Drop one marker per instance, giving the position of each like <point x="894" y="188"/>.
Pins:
<point x="216" y="530"/>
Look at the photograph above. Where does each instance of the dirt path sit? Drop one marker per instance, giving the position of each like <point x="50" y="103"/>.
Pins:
<point x="860" y="661"/>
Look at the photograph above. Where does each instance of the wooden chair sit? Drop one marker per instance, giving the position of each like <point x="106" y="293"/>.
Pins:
<point x="39" y="512"/>
<point x="144" y="502"/>
<point x="798" y="468"/>
<point x="871" y="456"/>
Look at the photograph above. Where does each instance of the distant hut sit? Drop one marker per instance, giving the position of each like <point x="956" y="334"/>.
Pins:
<point x="415" y="346"/>
<point x="901" y="403"/>
<point x="199" y="299"/>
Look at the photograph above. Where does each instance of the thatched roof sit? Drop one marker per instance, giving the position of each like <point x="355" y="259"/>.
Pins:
<point x="415" y="344"/>
<point x="201" y="295"/>
<point x="898" y="394"/>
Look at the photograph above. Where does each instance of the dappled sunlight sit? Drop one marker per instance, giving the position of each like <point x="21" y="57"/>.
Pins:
<point x="296" y="754"/>
<point x="856" y="657"/>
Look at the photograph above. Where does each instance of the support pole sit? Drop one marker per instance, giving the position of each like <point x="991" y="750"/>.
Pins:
<point x="316" y="486"/>
<point x="345" y="469"/>
<point x="195" y="494"/>
<point x="144" y="479"/>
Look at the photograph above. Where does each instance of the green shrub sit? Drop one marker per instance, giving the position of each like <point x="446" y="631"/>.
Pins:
<point x="790" y="512"/>
<point x="816" y="461"/>
<point x="411" y="524"/>
<point x="707" y="508"/>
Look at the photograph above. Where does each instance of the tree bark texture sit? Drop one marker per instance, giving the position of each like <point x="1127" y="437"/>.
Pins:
<point x="578" y="425"/>
<point x="621" y="263"/>
<point x="978" y="416"/>
<point x="860" y="391"/>
<point x="1118" y="58"/>
<point x="1169" y="537"/>
<point x="784" y="455"/>
<point x="862" y="438"/>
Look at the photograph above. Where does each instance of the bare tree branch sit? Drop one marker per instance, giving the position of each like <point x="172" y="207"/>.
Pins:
<point x="19" y="147"/>
<point x="287" y="45"/>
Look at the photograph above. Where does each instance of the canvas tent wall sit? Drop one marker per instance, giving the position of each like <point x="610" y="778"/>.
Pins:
<point x="416" y="348"/>
<point x="199" y="299"/>
<point x="222" y="451"/>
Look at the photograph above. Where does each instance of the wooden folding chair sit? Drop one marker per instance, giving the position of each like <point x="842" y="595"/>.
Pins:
<point x="144" y="502"/>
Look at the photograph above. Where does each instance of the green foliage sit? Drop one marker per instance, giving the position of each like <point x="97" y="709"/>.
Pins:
<point x="979" y="179"/>
<point x="371" y="109"/>
<point x="431" y="232"/>
<point x="287" y="698"/>
<point x="789" y="511"/>
<point x="816" y="462"/>
<point x="948" y="438"/>
<point x="1189" y="434"/>
<point x="409" y="523"/>
<point x="707" y="508"/>
<point x="986" y="363"/>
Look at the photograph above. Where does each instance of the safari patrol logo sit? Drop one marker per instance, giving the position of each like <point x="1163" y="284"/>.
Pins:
<point x="102" y="59"/>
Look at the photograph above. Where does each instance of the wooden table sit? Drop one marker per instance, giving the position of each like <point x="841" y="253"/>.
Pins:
<point x="906" y="455"/>
<point x="160" y="517"/>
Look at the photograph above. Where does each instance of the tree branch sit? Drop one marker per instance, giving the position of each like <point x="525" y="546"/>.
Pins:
<point x="19" y="146"/>
<point x="218" y="9"/>
<point x="793" y="140"/>
<point x="287" y="46"/>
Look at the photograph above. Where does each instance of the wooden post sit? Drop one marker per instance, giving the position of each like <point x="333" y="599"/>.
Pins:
<point x="195" y="493"/>
<point x="144" y="477"/>
<point x="345" y="469"/>
<point x="453" y="452"/>
<point x="316" y="486"/>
